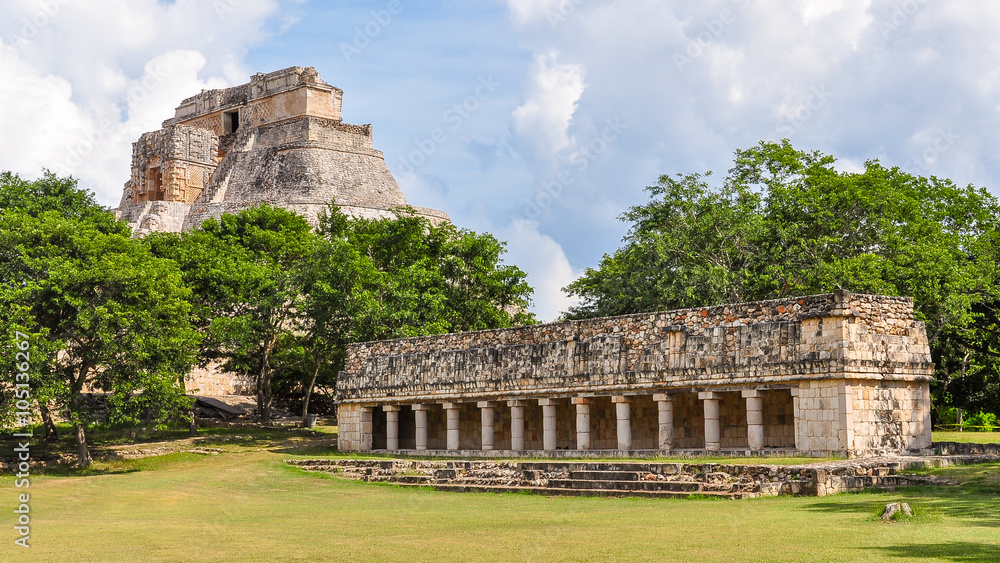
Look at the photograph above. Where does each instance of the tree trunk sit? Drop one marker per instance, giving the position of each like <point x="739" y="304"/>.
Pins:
<point x="82" y="453"/>
<point x="77" y="414"/>
<point x="264" y="384"/>
<point x="309" y="390"/>
<point x="51" y="433"/>
<point x="266" y="412"/>
<point x="194" y="423"/>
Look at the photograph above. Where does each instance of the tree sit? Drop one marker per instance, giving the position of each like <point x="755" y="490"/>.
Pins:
<point x="434" y="279"/>
<point x="246" y="273"/>
<point x="786" y="222"/>
<point x="79" y="285"/>
<point x="400" y="276"/>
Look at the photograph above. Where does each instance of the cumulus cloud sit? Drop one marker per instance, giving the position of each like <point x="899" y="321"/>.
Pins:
<point x="82" y="80"/>
<point x="546" y="264"/>
<point x="542" y="121"/>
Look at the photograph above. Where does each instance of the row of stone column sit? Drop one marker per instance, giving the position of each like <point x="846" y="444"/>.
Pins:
<point x="665" y="421"/>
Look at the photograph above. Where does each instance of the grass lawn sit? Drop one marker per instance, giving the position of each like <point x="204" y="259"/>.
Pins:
<point x="246" y="505"/>
<point x="973" y="437"/>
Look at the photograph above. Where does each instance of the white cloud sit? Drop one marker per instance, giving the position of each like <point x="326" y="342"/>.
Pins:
<point x="81" y="81"/>
<point x="530" y="11"/>
<point x="546" y="264"/>
<point x="36" y="113"/>
<point x="542" y="121"/>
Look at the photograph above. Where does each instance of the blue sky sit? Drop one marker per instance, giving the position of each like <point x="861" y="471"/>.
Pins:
<point x="537" y="120"/>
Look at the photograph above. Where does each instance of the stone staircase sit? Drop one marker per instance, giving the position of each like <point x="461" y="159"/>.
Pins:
<point x="605" y="479"/>
<point x="638" y="483"/>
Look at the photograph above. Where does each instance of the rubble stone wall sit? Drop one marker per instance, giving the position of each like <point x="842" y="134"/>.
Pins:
<point x="213" y="381"/>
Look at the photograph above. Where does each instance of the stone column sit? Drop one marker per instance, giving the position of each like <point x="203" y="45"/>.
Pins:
<point x="420" y="417"/>
<point x="755" y="418"/>
<point x="582" y="422"/>
<point x="713" y="433"/>
<point x="796" y="424"/>
<point x="516" y="424"/>
<point x="391" y="427"/>
<point x="624" y="414"/>
<point x="366" y="428"/>
<point x="451" y="412"/>
<point x="665" y="412"/>
<point x="489" y="422"/>
<point x="548" y="424"/>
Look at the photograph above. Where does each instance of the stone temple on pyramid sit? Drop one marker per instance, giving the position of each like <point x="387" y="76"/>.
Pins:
<point x="278" y="139"/>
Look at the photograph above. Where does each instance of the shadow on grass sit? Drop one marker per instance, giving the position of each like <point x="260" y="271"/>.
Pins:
<point x="74" y="471"/>
<point x="116" y="466"/>
<point x="974" y="499"/>
<point x="950" y="551"/>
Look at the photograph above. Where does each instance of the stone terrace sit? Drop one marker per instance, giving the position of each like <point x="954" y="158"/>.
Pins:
<point x="652" y="479"/>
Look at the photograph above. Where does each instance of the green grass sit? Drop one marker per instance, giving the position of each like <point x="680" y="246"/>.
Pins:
<point x="247" y="505"/>
<point x="972" y="437"/>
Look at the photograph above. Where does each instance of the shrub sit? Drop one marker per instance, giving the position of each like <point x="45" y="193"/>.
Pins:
<point x="981" y="422"/>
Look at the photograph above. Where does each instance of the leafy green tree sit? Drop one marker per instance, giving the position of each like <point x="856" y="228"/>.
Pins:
<point x="246" y="273"/>
<point x="786" y="222"/>
<point x="61" y="195"/>
<point x="103" y="315"/>
<point x="434" y="279"/>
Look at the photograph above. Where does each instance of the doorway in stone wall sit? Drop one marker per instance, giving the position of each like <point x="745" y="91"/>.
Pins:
<point x="230" y="121"/>
<point x="154" y="183"/>
<point x="378" y="429"/>
<point x="407" y="428"/>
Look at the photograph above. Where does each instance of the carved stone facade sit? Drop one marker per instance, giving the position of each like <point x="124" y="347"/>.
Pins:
<point x="278" y="139"/>
<point x="825" y="373"/>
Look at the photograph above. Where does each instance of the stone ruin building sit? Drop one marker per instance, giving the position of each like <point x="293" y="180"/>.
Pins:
<point x="279" y="140"/>
<point x="826" y="373"/>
